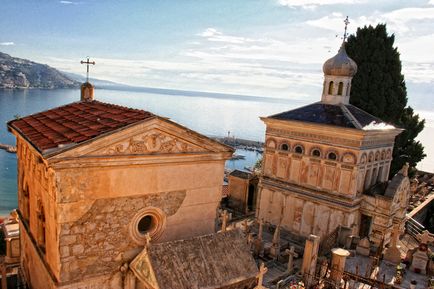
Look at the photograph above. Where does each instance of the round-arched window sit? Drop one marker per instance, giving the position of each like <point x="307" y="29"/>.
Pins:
<point x="146" y="224"/>
<point x="316" y="153"/>
<point x="150" y="221"/>
<point x="332" y="156"/>
<point x="298" y="149"/>
<point x="284" y="147"/>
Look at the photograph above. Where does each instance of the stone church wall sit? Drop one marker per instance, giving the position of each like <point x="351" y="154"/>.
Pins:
<point x="34" y="269"/>
<point x="36" y="200"/>
<point x="97" y="207"/>
<point x="303" y="216"/>
<point x="100" y="241"/>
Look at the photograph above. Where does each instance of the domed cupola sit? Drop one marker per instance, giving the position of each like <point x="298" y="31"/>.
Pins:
<point x="340" y="64"/>
<point x="338" y="72"/>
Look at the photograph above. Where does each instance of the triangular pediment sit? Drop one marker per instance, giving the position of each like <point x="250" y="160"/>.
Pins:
<point x="155" y="136"/>
<point x="142" y="268"/>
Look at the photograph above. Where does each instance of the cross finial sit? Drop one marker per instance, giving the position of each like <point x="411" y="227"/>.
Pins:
<point x="147" y="239"/>
<point x="87" y="62"/>
<point x="346" y="21"/>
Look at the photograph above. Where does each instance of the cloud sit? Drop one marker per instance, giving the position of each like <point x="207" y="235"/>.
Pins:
<point x="212" y="34"/>
<point x="431" y="2"/>
<point x="311" y="4"/>
<point x="7" y="43"/>
<point x="65" y="2"/>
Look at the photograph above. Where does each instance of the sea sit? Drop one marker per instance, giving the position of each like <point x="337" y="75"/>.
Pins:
<point x="208" y="114"/>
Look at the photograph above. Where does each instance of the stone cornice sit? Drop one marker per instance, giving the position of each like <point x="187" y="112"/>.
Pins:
<point x="136" y="160"/>
<point x="314" y="196"/>
<point x="366" y="140"/>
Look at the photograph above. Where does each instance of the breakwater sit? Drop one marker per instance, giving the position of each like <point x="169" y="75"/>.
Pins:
<point x="239" y="143"/>
<point x="8" y="148"/>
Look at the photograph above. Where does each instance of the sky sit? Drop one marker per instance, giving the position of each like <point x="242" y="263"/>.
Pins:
<point x="271" y="48"/>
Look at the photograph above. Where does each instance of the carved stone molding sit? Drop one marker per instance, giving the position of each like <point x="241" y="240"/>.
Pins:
<point x="149" y="143"/>
<point x="312" y="137"/>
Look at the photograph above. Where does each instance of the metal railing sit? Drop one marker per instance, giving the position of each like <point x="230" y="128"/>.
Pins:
<point x="414" y="228"/>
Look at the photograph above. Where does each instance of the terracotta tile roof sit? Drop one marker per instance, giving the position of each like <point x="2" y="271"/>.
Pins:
<point x="225" y="191"/>
<point x="74" y="123"/>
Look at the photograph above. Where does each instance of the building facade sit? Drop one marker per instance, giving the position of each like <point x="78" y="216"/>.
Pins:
<point x="322" y="161"/>
<point x="95" y="178"/>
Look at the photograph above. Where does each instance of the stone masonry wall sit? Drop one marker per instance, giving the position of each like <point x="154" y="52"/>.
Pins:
<point x="99" y="242"/>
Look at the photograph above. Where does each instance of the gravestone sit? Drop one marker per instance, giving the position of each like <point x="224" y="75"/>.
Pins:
<point x="310" y="258"/>
<point x="420" y="261"/>
<point x="393" y="254"/>
<point x="363" y="247"/>
<point x="291" y="254"/>
<point x="344" y="233"/>
<point x="275" y="246"/>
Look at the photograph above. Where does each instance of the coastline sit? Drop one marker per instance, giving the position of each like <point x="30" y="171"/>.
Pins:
<point x="240" y="143"/>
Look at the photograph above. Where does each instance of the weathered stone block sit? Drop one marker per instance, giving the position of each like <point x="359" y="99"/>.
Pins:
<point x="67" y="240"/>
<point x="77" y="249"/>
<point x="64" y="251"/>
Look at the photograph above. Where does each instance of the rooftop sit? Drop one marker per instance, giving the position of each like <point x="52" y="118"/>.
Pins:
<point x="241" y="174"/>
<point x="215" y="261"/>
<point x="74" y="123"/>
<point x="347" y="116"/>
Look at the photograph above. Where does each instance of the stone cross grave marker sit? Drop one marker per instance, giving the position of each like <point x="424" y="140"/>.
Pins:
<point x="291" y="255"/>
<point x="260" y="276"/>
<point x="425" y="237"/>
<point x="224" y="217"/>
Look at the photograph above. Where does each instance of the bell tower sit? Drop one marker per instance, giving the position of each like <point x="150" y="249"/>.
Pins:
<point x="338" y="73"/>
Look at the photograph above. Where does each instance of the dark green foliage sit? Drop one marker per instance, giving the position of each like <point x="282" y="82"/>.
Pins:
<point x="379" y="88"/>
<point x="407" y="149"/>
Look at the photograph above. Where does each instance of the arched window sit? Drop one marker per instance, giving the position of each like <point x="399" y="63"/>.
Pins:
<point x="41" y="225"/>
<point x="348" y="89"/>
<point x="316" y="153"/>
<point x="340" y="88"/>
<point x="284" y="147"/>
<point x="332" y="156"/>
<point x="298" y="149"/>
<point x="26" y="203"/>
<point x="331" y="87"/>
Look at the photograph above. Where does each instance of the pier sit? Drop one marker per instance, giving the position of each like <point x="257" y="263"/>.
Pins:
<point x="8" y="148"/>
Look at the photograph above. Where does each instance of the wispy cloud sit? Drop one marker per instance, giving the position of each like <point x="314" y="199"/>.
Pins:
<point x="314" y="3"/>
<point x="65" y="2"/>
<point x="212" y="34"/>
<point x="7" y="43"/>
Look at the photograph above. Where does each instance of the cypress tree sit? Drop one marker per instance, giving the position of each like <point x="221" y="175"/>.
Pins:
<point x="379" y="88"/>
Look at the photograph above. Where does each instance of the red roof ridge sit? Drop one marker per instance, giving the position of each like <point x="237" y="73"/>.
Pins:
<point x="75" y="123"/>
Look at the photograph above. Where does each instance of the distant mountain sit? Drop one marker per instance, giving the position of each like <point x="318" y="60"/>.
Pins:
<point x="23" y="73"/>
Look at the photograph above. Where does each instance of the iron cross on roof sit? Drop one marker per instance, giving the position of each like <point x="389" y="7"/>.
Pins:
<point x="346" y="21"/>
<point x="87" y="62"/>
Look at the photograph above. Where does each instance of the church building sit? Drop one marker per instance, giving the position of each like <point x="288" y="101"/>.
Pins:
<point x="327" y="164"/>
<point x="97" y="181"/>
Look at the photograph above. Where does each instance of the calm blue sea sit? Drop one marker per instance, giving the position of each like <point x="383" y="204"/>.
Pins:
<point x="209" y="115"/>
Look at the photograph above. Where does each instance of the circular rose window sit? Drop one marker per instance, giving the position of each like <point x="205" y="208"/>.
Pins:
<point x="149" y="220"/>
